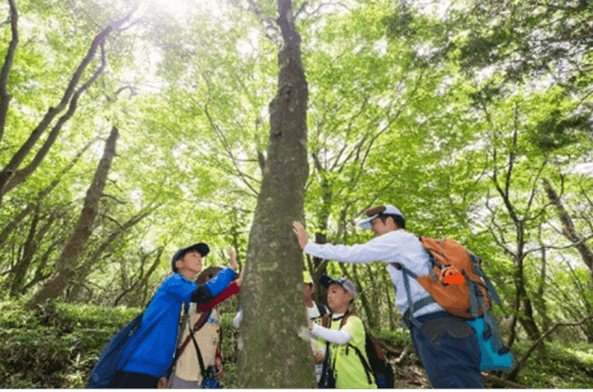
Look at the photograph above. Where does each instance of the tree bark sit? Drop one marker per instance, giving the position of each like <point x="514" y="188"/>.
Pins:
<point x="274" y="346"/>
<point x="68" y="260"/>
<point x="5" y="97"/>
<point x="569" y="230"/>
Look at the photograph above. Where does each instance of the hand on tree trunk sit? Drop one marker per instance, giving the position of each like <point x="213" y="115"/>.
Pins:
<point x="301" y="233"/>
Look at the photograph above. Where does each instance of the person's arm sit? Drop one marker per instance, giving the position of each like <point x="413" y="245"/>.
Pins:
<point x="205" y="293"/>
<point x="377" y="249"/>
<point x="332" y="336"/>
<point x="237" y="319"/>
<point x="218" y="363"/>
<point x="227" y="293"/>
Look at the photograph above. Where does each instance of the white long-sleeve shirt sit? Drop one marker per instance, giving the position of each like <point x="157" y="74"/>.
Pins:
<point x="397" y="246"/>
<point x="330" y="335"/>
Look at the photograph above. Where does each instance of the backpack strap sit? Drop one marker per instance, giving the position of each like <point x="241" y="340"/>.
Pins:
<point x="478" y="271"/>
<point x="198" y="352"/>
<point x="197" y="326"/>
<point x="409" y="318"/>
<point x="326" y="369"/>
<point x="321" y="308"/>
<point x="325" y="320"/>
<point x="345" y="317"/>
<point x="496" y="338"/>
<point x="365" y="364"/>
<point x="173" y="367"/>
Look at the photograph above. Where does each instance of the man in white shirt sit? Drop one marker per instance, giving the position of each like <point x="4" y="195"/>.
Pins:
<point x="451" y="356"/>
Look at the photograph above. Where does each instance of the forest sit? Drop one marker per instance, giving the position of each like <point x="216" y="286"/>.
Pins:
<point x="132" y="128"/>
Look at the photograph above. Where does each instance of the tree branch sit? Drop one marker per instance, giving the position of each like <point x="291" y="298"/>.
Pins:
<point x="521" y="362"/>
<point x="10" y="169"/>
<point x="21" y="175"/>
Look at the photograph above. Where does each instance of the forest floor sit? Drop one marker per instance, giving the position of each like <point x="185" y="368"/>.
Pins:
<point x="57" y="345"/>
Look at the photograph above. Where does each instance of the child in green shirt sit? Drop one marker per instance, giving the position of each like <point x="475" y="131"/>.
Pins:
<point x="344" y="339"/>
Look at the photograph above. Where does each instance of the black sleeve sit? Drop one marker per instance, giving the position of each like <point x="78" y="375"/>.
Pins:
<point x="201" y="295"/>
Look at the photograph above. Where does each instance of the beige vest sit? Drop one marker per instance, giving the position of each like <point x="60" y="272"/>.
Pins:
<point x="188" y="366"/>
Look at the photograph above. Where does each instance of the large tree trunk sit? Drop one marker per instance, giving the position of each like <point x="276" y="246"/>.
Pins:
<point x="68" y="261"/>
<point x="274" y="347"/>
<point x="569" y="230"/>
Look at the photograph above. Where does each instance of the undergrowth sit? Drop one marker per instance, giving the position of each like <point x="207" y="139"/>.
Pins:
<point x="57" y="345"/>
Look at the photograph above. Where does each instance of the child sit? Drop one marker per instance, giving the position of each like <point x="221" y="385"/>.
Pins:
<point x="344" y="337"/>
<point x="189" y="371"/>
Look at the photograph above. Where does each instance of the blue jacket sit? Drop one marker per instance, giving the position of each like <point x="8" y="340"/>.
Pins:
<point x="153" y="353"/>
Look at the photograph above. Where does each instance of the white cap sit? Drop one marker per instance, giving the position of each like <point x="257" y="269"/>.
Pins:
<point x="374" y="212"/>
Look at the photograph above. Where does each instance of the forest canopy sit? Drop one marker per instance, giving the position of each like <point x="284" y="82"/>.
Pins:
<point x="129" y="129"/>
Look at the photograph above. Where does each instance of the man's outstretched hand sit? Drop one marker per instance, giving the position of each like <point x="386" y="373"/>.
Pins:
<point x="301" y="233"/>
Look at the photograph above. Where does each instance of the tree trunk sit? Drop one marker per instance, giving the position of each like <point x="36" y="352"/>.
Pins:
<point x="319" y="267"/>
<point x="86" y="268"/>
<point x="66" y="265"/>
<point x="540" y="301"/>
<point x="10" y="227"/>
<point x="374" y="316"/>
<point x="512" y="375"/>
<point x="388" y="284"/>
<point x="21" y="270"/>
<point x="5" y="97"/>
<point x="274" y="346"/>
<point x="569" y="230"/>
<point x="10" y="176"/>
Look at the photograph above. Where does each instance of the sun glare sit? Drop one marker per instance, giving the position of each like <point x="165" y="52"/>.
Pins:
<point x="176" y="7"/>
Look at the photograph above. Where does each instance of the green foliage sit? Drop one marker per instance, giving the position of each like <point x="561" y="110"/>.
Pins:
<point x="564" y="366"/>
<point x="57" y="345"/>
<point x="410" y="104"/>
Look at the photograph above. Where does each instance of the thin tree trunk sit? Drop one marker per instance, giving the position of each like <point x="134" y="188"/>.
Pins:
<point x="70" y="96"/>
<point x="10" y="227"/>
<point x="22" y="265"/>
<point x="372" y="315"/>
<point x="319" y="267"/>
<point x="274" y="345"/>
<point x="540" y="300"/>
<point x="390" y="300"/>
<point x="569" y="230"/>
<point x="5" y="97"/>
<point x="68" y="261"/>
<point x="86" y="268"/>
<point x="39" y="276"/>
<point x="512" y="375"/>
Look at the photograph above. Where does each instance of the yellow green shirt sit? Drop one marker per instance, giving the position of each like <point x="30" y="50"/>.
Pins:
<point x="349" y="372"/>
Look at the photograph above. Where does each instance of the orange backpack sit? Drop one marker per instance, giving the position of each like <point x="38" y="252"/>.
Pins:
<point x="456" y="280"/>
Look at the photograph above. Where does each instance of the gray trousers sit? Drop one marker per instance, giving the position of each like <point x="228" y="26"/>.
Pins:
<point x="180" y="383"/>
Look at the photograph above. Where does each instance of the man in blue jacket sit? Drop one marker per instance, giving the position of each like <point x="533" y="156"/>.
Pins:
<point x="151" y="352"/>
